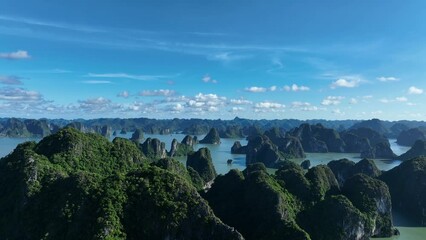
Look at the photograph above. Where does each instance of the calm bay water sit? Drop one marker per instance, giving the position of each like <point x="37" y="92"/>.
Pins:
<point x="221" y="153"/>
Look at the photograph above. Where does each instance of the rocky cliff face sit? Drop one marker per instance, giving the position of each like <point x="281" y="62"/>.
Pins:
<point x="371" y="196"/>
<point x="410" y="136"/>
<point x="238" y="149"/>
<point x="137" y="136"/>
<point x="153" y="148"/>
<point x="335" y="218"/>
<point x="261" y="149"/>
<point x="255" y="204"/>
<point x="291" y="147"/>
<point x="374" y="124"/>
<point x="418" y="150"/>
<point x="317" y="138"/>
<point x="181" y="149"/>
<point x="344" y="169"/>
<point x="211" y="138"/>
<point x="407" y="186"/>
<point x="201" y="161"/>
<point x="368" y="142"/>
<point x="380" y="150"/>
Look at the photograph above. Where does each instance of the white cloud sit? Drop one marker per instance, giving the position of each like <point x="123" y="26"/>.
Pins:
<point x="20" y="54"/>
<point x="387" y="79"/>
<point x="347" y="82"/>
<point x="397" y="99"/>
<point x="256" y="89"/>
<point x="384" y="100"/>
<point x="240" y="101"/>
<point x="415" y="90"/>
<point x="261" y="89"/>
<point x="300" y="104"/>
<point x="401" y="99"/>
<point x="332" y="100"/>
<point x="10" y="80"/>
<point x="268" y="106"/>
<point x="123" y="94"/>
<point x="337" y="112"/>
<point x="208" y="79"/>
<point x="310" y="108"/>
<point x="156" y="93"/>
<point x="236" y="109"/>
<point x="19" y="95"/>
<point x="296" y="88"/>
<point x="353" y="101"/>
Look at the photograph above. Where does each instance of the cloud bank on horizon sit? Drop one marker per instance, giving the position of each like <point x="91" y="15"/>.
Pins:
<point x="285" y="59"/>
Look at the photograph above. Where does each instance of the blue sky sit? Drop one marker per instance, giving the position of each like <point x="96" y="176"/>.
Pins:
<point x="329" y="59"/>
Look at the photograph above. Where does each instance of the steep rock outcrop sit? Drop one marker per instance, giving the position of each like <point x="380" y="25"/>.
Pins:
<point x="374" y="124"/>
<point x="407" y="186"/>
<point x="323" y="182"/>
<point x="237" y="148"/>
<point x="261" y="149"/>
<point x="410" y="136"/>
<point x="417" y="150"/>
<point x="181" y="149"/>
<point x="335" y="218"/>
<point x="317" y="138"/>
<point x="371" y="196"/>
<point x="380" y="150"/>
<point x="153" y="148"/>
<point x="368" y="142"/>
<point x="137" y="136"/>
<point x="201" y="161"/>
<point x="211" y="138"/>
<point x="255" y="204"/>
<point x="344" y="169"/>
<point x="291" y="147"/>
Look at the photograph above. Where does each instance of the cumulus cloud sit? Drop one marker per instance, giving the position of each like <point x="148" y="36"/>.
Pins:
<point x="175" y="108"/>
<point x="256" y="89"/>
<point x="415" y="90"/>
<point x="10" y="80"/>
<point x="296" y="88"/>
<point x="332" y="100"/>
<point x="96" y="105"/>
<point x="236" y="109"/>
<point x="156" y="93"/>
<point x="261" y="89"/>
<point x="20" y="54"/>
<point x="123" y="94"/>
<point x="268" y="107"/>
<point x="353" y="101"/>
<point x="240" y="101"/>
<point x="397" y="99"/>
<point x="300" y="104"/>
<point x="20" y="95"/>
<point x="388" y="79"/>
<point x="208" y="79"/>
<point x="348" y="82"/>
